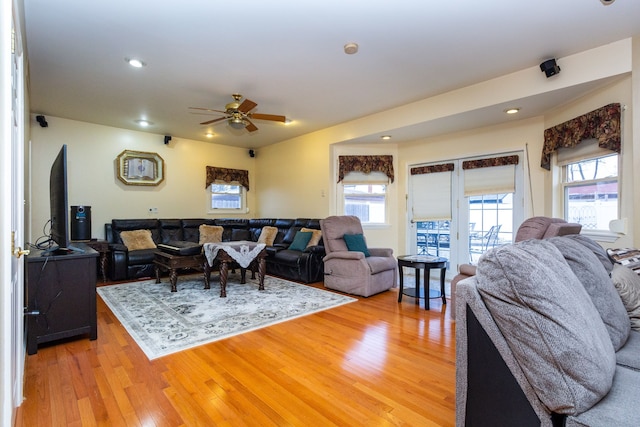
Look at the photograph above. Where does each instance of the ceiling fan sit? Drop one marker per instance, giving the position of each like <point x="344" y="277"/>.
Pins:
<point x="238" y="114"/>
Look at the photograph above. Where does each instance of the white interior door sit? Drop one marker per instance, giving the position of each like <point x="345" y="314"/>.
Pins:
<point x="12" y="214"/>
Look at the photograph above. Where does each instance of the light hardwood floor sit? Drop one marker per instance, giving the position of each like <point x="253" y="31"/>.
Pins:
<point x="374" y="362"/>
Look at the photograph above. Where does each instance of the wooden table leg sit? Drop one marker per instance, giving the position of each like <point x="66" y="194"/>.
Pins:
<point x="417" y="299"/>
<point x="401" y="283"/>
<point x="157" y="268"/>
<point x="103" y="266"/>
<point x="262" y="268"/>
<point x="207" y="274"/>
<point x="427" y="277"/>
<point x="173" y="277"/>
<point x="224" y="271"/>
<point x="443" y="273"/>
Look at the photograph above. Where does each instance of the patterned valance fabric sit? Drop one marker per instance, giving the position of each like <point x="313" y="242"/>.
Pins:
<point x="444" y="167"/>
<point x="602" y="124"/>
<point x="491" y="162"/>
<point x="365" y="164"/>
<point x="227" y="175"/>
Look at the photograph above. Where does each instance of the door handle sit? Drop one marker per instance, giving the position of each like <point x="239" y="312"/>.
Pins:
<point x="17" y="251"/>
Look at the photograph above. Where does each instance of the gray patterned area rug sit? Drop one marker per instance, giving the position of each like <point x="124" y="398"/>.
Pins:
<point x="164" y="322"/>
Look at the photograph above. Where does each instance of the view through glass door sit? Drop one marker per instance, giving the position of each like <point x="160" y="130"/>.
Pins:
<point x="480" y="218"/>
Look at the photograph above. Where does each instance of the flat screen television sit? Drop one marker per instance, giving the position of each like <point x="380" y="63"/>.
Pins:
<point x="59" y="206"/>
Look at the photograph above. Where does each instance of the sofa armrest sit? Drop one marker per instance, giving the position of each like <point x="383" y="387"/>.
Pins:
<point x="316" y="249"/>
<point x="491" y="388"/>
<point x="117" y="247"/>
<point x="119" y="261"/>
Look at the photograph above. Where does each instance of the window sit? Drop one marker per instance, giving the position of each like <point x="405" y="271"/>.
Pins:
<point x="227" y="197"/>
<point x="590" y="189"/>
<point x="366" y="201"/>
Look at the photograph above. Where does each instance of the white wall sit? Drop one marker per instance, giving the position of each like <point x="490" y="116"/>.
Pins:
<point x="92" y="181"/>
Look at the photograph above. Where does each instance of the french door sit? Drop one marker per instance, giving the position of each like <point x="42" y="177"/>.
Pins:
<point x="459" y="209"/>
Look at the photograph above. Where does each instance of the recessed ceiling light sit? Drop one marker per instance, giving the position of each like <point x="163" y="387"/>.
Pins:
<point x="512" y="110"/>
<point x="134" y="62"/>
<point x="209" y="135"/>
<point x="144" y="123"/>
<point x="288" y="121"/>
<point x="386" y="137"/>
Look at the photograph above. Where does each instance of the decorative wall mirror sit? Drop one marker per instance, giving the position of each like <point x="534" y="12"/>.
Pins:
<point x="140" y="168"/>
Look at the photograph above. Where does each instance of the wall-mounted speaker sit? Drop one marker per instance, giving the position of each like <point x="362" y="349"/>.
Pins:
<point x="42" y="121"/>
<point x="550" y="67"/>
<point x="252" y="153"/>
<point x="167" y="138"/>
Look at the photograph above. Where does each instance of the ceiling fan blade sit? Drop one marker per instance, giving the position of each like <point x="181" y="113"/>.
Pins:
<point x="208" y="122"/>
<point x="250" y="126"/>
<point x="272" y="117"/>
<point x="206" y="109"/>
<point x="246" y="106"/>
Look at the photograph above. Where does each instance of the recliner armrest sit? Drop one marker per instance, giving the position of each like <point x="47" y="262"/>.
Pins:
<point x="383" y="252"/>
<point x="344" y="255"/>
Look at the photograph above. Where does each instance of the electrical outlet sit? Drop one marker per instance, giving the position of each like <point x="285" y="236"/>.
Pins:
<point x="153" y="211"/>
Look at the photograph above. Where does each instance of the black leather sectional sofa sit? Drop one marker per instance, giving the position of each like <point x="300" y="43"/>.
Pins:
<point x="301" y="266"/>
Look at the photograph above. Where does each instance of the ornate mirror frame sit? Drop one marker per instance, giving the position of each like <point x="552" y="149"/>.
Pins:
<point x="139" y="168"/>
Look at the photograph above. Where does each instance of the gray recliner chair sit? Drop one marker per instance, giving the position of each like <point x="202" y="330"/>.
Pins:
<point x="351" y="271"/>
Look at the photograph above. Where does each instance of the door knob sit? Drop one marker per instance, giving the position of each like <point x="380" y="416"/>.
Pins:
<point x="17" y="251"/>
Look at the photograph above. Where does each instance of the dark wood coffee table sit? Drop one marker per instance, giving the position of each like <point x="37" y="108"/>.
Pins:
<point x="225" y="253"/>
<point x="173" y="263"/>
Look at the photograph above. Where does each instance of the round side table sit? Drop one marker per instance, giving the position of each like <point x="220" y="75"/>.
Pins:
<point x="425" y="262"/>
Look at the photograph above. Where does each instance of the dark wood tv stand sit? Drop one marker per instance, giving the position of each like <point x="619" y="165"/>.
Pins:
<point x="60" y="293"/>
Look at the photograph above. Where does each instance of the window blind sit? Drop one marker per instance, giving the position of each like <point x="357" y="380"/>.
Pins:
<point x="490" y="180"/>
<point x="368" y="178"/>
<point x="431" y="196"/>
<point x="588" y="149"/>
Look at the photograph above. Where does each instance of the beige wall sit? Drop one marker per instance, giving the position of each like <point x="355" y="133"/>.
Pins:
<point x="296" y="178"/>
<point x="524" y="135"/>
<point x="92" y="181"/>
<point x="618" y="92"/>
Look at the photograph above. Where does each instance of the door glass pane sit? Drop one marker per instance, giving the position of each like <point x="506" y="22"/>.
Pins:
<point x="433" y="238"/>
<point x="490" y="223"/>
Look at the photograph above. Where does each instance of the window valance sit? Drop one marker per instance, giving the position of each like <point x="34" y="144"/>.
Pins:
<point x="228" y="176"/>
<point x="444" y="167"/>
<point x="365" y="164"/>
<point x="491" y="162"/>
<point x="602" y="124"/>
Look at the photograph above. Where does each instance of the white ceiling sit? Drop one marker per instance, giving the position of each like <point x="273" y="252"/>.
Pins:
<point x="287" y="55"/>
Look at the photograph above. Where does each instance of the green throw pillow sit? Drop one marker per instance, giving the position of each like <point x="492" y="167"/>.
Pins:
<point x="300" y="240"/>
<point x="355" y="242"/>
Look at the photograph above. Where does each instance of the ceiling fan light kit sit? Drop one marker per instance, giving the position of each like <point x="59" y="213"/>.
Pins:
<point x="236" y="123"/>
<point x="238" y="114"/>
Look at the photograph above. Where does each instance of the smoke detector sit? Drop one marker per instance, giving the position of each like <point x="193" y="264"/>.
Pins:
<point x="350" y="48"/>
